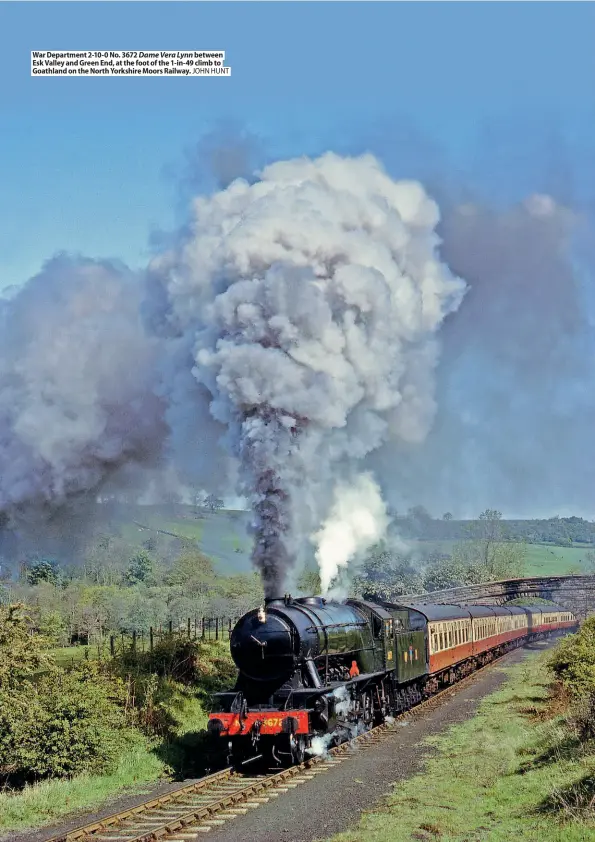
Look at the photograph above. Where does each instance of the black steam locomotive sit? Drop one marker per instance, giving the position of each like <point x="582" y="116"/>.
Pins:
<point x="314" y="672"/>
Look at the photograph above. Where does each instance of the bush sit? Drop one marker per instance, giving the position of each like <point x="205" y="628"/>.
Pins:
<point x="170" y="685"/>
<point x="54" y="723"/>
<point x="573" y="664"/>
<point x="573" y="661"/>
<point x="62" y="724"/>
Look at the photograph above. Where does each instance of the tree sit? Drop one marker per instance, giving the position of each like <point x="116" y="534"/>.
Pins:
<point x="21" y="653"/>
<point x="419" y="513"/>
<point x="140" y="568"/>
<point x="194" y="571"/>
<point x="213" y="503"/>
<point x="309" y="582"/>
<point x="443" y="571"/>
<point x="44" y="570"/>
<point x="447" y="516"/>
<point x="489" y="533"/>
<point x="386" y="574"/>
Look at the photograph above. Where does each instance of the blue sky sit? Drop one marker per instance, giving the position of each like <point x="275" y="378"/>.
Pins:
<point x="84" y="162"/>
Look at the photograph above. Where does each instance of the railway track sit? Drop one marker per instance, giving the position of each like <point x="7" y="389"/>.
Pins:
<point x="186" y="813"/>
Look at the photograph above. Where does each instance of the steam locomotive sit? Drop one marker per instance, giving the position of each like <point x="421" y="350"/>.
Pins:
<point x="314" y="672"/>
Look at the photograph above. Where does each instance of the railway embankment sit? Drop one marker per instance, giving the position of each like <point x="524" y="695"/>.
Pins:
<point x="523" y="767"/>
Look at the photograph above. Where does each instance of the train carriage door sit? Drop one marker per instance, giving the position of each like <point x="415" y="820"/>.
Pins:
<point x="389" y="644"/>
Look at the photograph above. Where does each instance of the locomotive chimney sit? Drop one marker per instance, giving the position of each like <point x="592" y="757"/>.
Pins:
<point x="286" y="599"/>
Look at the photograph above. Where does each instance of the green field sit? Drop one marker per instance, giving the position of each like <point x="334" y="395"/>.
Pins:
<point x="547" y="560"/>
<point x="540" y="559"/>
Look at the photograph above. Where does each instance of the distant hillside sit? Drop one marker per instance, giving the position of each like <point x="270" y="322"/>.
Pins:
<point x="222" y="534"/>
<point x="556" y="545"/>
<point x="563" y="532"/>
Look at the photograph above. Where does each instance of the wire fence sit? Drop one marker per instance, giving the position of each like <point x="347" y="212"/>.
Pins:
<point x="198" y="628"/>
<point x="109" y="646"/>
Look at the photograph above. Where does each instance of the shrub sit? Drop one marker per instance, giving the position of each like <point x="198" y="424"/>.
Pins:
<point x="54" y="723"/>
<point x="573" y="661"/>
<point x="60" y="725"/>
<point x="170" y="685"/>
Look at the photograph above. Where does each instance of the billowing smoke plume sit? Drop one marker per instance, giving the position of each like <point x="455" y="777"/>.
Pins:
<point x="515" y="385"/>
<point x="357" y="520"/>
<point x="313" y="298"/>
<point x="296" y="319"/>
<point x="76" y="387"/>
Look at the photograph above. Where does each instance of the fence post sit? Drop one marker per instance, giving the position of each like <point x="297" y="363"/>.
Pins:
<point x="189" y="633"/>
<point x="151" y="638"/>
<point x="171" y="626"/>
<point x="134" y="640"/>
<point x="202" y="630"/>
<point x="195" y="629"/>
<point x="216" y="628"/>
<point x="229" y="628"/>
<point x="112" y="645"/>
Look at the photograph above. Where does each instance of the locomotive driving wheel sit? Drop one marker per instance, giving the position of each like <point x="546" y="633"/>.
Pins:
<point x="298" y="748"/>
<point x="367" y="712"/>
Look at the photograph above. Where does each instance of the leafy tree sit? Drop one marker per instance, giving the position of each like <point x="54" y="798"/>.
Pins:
<point x="444" y="571"/>
<point x="386" y="574"/>
<point x="140" y="568"/>
<point x="419" y="513"/>
<point x="61" y="724"/>
<point x="573" y="661"/>
<point x="309" y="582"/>
<point x="53" y="723"/>
<point x="213" y="503"/>
<point x="590" y="559"/>
<point x="192" y="569"/>
<point x="21" y="652"/>
<point x="447" y="516"/>
<point x="44" y="570"/>
<point x="242" y="592"/>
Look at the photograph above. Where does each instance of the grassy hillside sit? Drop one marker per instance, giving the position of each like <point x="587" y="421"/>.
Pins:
<point x="540" y="559"/>
<point x="223" y="536"/>
<point x="220" y="535"/>
<point x="545" y="560"/>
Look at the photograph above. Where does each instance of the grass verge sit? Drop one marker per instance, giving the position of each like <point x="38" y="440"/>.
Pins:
<point x="510" y="772"/>
<point x="47" y="801"/>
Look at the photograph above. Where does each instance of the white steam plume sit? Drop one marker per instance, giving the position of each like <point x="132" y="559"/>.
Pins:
<point x="357" y="520"/>
<point x="313" y="297"/>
